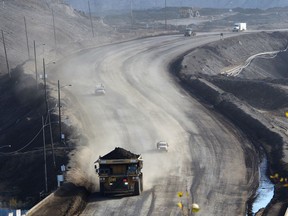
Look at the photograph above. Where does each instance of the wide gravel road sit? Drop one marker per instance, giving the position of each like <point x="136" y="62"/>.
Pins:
<point x="142" y="105"/>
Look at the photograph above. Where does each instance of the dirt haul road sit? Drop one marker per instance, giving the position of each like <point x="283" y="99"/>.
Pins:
<point x="142" y="105"/>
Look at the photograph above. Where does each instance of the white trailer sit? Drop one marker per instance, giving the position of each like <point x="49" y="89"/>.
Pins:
<point x="239" y="27"/>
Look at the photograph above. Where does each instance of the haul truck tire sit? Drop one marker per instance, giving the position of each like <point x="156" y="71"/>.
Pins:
<point x="137" y="188"/>
<point x="102" y="193"/>
<point x="141" y="182"/>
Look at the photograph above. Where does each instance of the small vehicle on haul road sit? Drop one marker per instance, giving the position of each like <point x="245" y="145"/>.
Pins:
<point x="189" y="32"/>
<point x="239" y="27"/>
<point x="162" y="145"/>
<point x="120" y="172"/>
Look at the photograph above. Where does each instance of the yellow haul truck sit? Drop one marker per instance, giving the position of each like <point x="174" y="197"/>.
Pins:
<point x="120" y="172"/>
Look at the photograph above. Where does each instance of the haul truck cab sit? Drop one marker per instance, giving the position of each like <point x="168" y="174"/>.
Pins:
<point x="120" y="172"/>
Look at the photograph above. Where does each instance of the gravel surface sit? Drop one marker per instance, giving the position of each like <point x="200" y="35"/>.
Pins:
<point x="253" y="100"/>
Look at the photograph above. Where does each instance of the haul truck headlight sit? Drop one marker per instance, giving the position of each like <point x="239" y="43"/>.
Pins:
<point x="125" y="181"/>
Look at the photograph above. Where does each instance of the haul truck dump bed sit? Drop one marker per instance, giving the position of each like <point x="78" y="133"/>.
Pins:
<point x="120" y="172"/>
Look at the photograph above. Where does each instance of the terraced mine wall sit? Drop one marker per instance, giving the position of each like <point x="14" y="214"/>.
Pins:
<point x="234" y="102"/>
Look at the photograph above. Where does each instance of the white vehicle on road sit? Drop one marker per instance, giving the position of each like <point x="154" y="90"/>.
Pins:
<point x="189" y="32"/>
<point x="239" y="27"/>
<point x="100" y="89"/>
<point x="162" y="145"/>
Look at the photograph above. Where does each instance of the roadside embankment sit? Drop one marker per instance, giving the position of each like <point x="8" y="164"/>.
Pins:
<point x="250" y="100"/>
<point x="259" y="129"/>
<point x="69" y="199"/>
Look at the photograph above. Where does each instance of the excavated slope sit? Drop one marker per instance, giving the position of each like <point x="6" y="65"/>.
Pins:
<point x="253" y="99"/>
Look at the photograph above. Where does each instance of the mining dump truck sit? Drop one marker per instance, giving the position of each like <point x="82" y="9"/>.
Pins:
<point x="120" y="172"/>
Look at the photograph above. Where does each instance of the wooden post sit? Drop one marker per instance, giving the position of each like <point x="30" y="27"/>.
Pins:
<point x="35" y="58"/>
<point x="27" y="38"/>
<point x="55" y="42"/>
<point x="90" y="18"/>
<point x="45" y="159"/>
<point x="7" y="63"/>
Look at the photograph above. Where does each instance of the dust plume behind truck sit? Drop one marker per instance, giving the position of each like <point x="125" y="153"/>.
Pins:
<point x="120" y="172"/>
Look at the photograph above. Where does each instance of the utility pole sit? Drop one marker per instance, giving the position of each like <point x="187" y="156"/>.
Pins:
<point x="51" y="137"/>
<point x="90" y="18"/>
<point x="95" y="6"/>
<point x="35" y="64"/>
<point x="7" y="63"/>
<point x="165" y="15"/>
<point x="59" y="109"/>
<point x="55" y="42"/>
<point x="27" y="38"/>
<point x="45" y="87"/>
<point x="131" y="14"/>
<point x="45" y="161"/>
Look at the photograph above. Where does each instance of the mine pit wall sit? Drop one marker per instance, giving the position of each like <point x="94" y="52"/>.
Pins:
<point x="213" y="58"/>
<point x="189" y="68"/>
<point x="253" y="125"/>
<point x="244" y="117"/>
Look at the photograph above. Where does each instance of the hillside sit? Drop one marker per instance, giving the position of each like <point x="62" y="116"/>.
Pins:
<point x="70" y="26"/>
<point x="104" y="5"/>
<point x="23" y="99"/>
<point x="23" y="102"/>
<point x="72" y="32"/>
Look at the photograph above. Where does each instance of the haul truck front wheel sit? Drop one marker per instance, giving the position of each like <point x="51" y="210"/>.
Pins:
<point x="141" y="180"/>
<point x="137" y="188"/>
<point x="102" y="189"/>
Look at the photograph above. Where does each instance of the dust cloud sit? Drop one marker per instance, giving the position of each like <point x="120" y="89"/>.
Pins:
<point x="123" y="117"/>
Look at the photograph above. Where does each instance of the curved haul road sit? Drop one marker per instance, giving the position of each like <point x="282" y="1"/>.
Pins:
<point x="142" y="105"/>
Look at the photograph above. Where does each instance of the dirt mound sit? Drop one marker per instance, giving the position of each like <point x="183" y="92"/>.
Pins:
<point x="120" y="153"/>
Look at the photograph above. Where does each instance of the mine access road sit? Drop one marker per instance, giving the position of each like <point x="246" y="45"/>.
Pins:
<point x="143" y="103"/>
